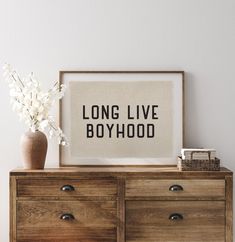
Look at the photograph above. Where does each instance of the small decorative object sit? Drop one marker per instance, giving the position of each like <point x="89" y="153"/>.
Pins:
<point x="33" y="105"/>
<point x="198" y="154"/>
<point x="122" y="117"/>
<point x="198" y="160"/>
<point x="34" y="149"/>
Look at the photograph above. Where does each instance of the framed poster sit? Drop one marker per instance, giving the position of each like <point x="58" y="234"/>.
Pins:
<point x="122" y="117"/>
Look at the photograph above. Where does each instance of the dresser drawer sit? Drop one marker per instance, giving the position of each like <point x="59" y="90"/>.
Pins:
<point x="66" y="187"/>
<point x="66" y="221"/>
<point x="175" y="188"/>
<point x="175" y="221"/>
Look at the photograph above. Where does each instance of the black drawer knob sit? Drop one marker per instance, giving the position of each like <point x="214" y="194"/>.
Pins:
<point x="176" y="216"/>
<point x="176" y="188"/>
<point x="67" y="216"/>
<point x="67" y="188"/>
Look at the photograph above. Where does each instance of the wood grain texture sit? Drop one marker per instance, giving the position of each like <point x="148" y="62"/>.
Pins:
<point x="121" y="211"/>
<point x="84" y="234"/>
<point x="47" y="214"/>
<point x="149" y="221"/>
<point x="160" y="188"/>
<point x="104" y="212"/>
<point x="82" y="187"/>
<point x="40" y="221"/>
<point x="229" y="208"/>
<point x="12" y="214"/>
<point x="161" y="172"/>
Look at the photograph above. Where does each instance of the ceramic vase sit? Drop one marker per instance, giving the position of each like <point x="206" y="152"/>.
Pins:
<point x="34" y="149"/>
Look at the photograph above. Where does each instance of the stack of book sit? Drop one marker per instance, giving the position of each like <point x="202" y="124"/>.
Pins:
<point x="198" y="160"/>
<point x="198" y="154"/>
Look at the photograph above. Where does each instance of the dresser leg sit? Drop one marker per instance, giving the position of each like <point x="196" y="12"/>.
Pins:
<point x="12" y="209"/>
<point x="229" y="209"/>
<point x="121" y="211"/>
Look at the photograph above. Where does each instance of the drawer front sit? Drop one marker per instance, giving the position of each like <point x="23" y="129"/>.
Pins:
<point x="175" y="188"/>
<point x="152" y="221"/>
<point x="66" y="221"/>
<point x="66" y="187"/>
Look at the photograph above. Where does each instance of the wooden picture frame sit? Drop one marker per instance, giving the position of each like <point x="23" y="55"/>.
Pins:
<point x="84" y="84"/>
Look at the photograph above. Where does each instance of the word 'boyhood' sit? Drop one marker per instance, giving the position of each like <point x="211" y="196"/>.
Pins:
<point x="120" y="131"/>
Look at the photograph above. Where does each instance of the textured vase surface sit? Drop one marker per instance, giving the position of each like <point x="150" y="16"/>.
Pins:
<point x="34" y="149"/>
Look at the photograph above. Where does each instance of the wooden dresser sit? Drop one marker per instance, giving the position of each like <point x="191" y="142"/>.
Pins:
<point x="132" y="204"/>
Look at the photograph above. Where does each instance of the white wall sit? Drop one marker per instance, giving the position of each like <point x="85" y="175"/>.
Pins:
<point x="195" y="36"/>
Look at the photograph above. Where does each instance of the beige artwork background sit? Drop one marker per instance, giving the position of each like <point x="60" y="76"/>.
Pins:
<point x="121" y="93"/>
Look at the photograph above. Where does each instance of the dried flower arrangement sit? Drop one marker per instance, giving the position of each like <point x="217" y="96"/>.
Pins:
<point x="32" y="104"/>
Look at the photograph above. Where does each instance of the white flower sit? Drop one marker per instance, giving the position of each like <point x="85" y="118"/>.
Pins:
<point x="33" y="104"/>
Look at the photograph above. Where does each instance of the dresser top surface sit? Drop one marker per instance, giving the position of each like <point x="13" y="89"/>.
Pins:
<point x="118" y="171"/>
